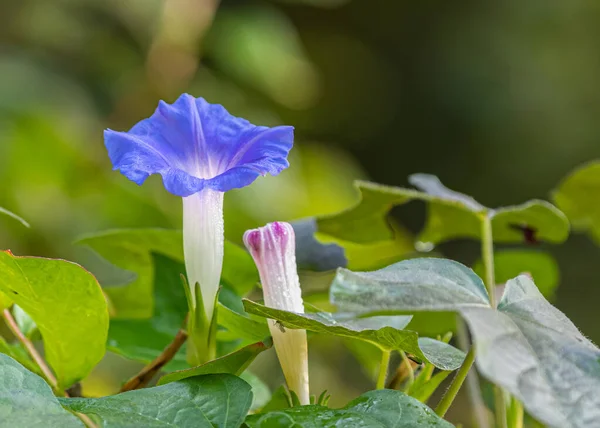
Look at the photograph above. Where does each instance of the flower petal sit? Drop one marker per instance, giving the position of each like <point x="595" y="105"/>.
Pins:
<point x="194" y="145"/>
<point x="136" y="159"/>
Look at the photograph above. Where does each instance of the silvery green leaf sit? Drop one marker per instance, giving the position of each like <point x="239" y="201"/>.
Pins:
<point x="526" y="345"/>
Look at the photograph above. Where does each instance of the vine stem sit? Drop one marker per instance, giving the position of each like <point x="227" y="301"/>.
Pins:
<point x="383" y="369"/>
<point x="142" y="379"/>
<point x="459" y="379"/>
<point x="473" y="388"/>
<point x="487" y="251"/>
<point x="37" y="358"/>
<point x="28" y="345"/>
<point x="515" y="415"/>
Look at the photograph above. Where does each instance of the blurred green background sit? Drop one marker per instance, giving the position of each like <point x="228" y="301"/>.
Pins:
<point x="499" y="99"/>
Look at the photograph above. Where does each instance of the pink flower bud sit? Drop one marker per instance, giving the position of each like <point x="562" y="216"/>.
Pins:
<point x="273" y="250"/>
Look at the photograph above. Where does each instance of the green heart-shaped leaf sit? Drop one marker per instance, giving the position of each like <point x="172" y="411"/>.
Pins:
<point x="68" y="306"/>
<point x="451" y="215"/>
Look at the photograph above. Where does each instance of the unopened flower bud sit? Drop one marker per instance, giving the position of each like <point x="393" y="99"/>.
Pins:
<point x="273" y="250"/>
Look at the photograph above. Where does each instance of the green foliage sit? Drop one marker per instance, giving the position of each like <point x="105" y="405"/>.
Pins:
<point x="525" y="345"/>
<point x="216" y="400"/>
<point x="261" y="394"/>
<point x="451" y="215"/>
<point x="16" y="352"/>
<point x="517" y="344"/>
<point x="144" y="339"/>
<point x="233" y="363"/>
<point x="386" y="332"/>
<point x="511" y="263"/>
<point x="367" y="354"/>
<point x="414" y="285"/>
<point x="280" y="399"/>
<point x="425" y="383"/>
<point x="5" y="301"/>
<point x="577" y="197"/>
<point x="67" y="304"/>
<point x="265" y="66"/>
<point x="27" y="401"/>
<point x="374" y="409"/>
<point x="240" y="326"/>
<point x="423" y="391"/>
<point x="131" y="250"/>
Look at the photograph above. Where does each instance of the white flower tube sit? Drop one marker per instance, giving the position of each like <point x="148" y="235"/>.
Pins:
<point x="273" y="250"/>
<point x="203" y="240"/>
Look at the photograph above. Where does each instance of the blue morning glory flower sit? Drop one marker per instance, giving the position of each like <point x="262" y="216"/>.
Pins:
<point x="195" y="145"/>
<point x="201" y="151"/>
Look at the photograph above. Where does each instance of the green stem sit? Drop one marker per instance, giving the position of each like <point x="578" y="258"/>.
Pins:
<point x="460" y="377"/>
<point x="500" y="404"/>
<point x="487" y="252"/>
<point x="30" y="348"/>
<point x="473" y="389"/>
<point x="383" y="369"/>
<point x="515" y="414"/>
<point x="428" y="371"/>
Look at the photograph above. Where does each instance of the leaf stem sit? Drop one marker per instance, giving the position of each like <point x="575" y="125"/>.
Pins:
<point x="28" y="345"/>
<point x="383" y="369"/>
<point x="515" y="414"/>
<point x="144" y="377"/>
<point x="473" y="388"/>
<point x="487" y="253"/>
<point x="459" y="378"/>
